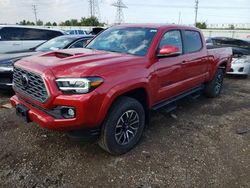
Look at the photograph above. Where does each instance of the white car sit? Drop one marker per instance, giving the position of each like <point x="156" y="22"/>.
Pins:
<point x="240" y="66"/>
<point x="15" y="38"/>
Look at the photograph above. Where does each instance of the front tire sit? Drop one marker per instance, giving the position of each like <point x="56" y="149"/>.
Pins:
<point x="123" y="126"/>
<point x="214" y="87"/>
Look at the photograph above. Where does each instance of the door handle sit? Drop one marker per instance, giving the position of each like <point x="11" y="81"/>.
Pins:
<point x="16" y="44"/>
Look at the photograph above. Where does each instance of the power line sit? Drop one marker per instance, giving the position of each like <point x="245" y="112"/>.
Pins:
<point x="35" y="12"/>
<point x="94" y="8"/>
<point x="186" y="6"/>
<point x="119" y="13"/>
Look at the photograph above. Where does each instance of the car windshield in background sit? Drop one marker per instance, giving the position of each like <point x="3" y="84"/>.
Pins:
<point x="55" y="44"/>
<point x="135" y="41"/>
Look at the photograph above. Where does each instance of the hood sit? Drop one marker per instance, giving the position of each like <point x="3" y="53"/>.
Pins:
<point x="74" y="62"/>
<point x="9" y="59"/>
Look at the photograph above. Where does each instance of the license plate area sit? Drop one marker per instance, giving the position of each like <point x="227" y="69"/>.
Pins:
<point x="23" y="112"/>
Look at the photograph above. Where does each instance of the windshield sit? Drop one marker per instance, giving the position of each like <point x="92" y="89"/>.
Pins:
<point x="135" y="41"/>
<point x="55" y="44"/>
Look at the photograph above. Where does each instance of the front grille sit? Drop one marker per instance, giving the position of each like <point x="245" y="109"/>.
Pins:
<point x="35" y="87"/>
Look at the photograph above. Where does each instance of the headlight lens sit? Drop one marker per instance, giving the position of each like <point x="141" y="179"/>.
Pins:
<point x="78" y="85"/>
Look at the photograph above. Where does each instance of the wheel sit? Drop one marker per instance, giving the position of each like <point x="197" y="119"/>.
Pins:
<point x="213" y="88"/>
<point x="123" y="126"/>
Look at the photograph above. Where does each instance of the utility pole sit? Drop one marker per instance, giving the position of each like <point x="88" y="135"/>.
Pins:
<point x="119" y="13"/>
<point x="91" y="7"/>
<point x="179" y="20"/>
<point x="35" y="13"/>
<point x="196" y="11"/>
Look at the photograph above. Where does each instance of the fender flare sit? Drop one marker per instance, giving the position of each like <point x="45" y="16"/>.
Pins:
<point x="119" y="90"/>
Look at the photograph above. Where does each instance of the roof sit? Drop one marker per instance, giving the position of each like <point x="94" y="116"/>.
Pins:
<point x="31" y="27"/>
<point x="156" y="26"/>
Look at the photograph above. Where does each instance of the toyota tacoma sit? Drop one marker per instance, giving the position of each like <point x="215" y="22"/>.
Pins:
<point x="107" y="90"/>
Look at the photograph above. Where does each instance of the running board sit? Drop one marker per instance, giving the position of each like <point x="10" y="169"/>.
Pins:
<point x="170" y="104"/>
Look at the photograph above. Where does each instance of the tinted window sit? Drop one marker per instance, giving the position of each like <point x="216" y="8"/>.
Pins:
<point x="79" y="44"/>
<point x="81" y="32"/>
<point x="13" y="33"/>
<point x="172" y="38"/>
<point x="72" y="32"/>
<point x="192" y="41"/>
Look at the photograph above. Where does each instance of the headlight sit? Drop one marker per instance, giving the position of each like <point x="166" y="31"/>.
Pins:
<point x="78" y="85"/>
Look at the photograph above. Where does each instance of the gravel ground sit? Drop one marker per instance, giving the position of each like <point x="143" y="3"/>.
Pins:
<point x="196" y="146"/>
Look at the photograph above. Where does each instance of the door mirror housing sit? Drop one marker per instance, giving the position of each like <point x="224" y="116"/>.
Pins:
<point x="168" y="51"/>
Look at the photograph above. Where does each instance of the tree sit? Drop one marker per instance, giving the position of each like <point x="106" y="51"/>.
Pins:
<point x="48" y="24"/>
<point x="231" y="27"/>
<point x="39" y="22"/>
<point x="91" y="21"/>
<point x="201" y="25"/>
<point x="24" y="22"/>
<point x="54" y="24"/>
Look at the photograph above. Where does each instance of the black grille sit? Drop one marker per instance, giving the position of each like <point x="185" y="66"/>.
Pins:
<point x="35" y="88"/>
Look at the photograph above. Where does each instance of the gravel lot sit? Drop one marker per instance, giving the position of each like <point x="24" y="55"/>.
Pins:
<point x="196" y="147"/>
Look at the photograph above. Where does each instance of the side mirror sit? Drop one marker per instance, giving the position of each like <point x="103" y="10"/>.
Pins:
<point x="168" y="51"/>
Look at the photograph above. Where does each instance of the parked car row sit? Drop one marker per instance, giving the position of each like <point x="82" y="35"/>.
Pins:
<point x="241" y="53"/>
<point x="13" y="38"/>
<point x="7" y="60"/>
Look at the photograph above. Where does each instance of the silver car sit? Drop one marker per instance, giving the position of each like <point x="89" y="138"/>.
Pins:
<point x="240" y="66"/>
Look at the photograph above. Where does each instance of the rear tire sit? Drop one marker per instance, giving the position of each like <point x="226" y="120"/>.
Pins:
<point x="214" y="87"/>
<point x="123" y="126"/>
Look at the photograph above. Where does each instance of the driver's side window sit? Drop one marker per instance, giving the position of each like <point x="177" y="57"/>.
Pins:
<point x="172" y="38"/>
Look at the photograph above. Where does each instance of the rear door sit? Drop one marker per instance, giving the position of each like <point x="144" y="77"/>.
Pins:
<point x="10" y="39"/>
<point x="195" y="65"/>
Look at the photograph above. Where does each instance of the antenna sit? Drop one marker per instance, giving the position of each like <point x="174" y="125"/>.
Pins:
<point x="196" y="11"/>
<point x="119" y="14"/>
<point x="35" y="12"/>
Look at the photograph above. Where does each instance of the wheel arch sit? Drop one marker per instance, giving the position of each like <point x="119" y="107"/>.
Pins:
<point x="138" y="91"/>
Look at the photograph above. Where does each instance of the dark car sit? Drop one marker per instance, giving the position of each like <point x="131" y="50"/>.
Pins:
<point x="62" y="42"/>
<point x="240" y="47"/>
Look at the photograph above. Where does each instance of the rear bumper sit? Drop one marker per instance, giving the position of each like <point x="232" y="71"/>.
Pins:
<point x="86" y="116"/>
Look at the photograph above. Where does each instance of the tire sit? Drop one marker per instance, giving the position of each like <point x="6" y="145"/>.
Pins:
<point x="214" y="87"/>
<point x="119" y="135"/>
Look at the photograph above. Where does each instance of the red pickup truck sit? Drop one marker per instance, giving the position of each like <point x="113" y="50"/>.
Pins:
<point x="107" y="90"/>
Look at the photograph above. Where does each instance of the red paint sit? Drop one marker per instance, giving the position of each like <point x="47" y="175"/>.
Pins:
<point x="162" y="78"/>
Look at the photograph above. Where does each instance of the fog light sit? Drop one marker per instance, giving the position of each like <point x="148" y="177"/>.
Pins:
<point x="68" y="113"/>
<point x="71" y="112"/>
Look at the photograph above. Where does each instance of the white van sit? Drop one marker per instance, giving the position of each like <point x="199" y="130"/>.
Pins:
<point x="15" y="38"/>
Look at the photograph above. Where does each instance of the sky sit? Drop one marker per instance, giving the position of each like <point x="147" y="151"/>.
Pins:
<point x="151" y="11"/>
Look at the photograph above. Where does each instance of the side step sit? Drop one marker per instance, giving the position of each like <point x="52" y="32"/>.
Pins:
<point x="170" y="104"/>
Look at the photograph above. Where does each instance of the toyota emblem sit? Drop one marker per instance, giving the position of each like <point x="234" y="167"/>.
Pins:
<point x="25" y="80"/>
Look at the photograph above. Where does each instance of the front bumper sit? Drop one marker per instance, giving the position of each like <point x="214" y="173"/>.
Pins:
<point x="240" y="69"/>
<point x="86" y="106"/>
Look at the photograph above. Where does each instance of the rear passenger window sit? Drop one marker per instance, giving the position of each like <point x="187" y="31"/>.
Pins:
<point x="193" y="42"/>
<point x="172" y="38"/>
<point x="8" y="33"/>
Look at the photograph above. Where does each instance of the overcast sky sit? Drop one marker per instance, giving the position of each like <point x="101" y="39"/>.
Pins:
<point x="151" y="11"/>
